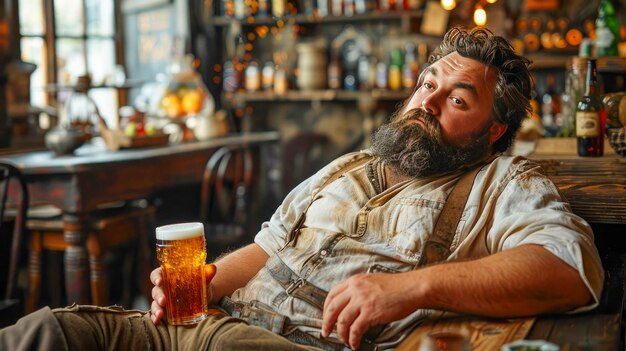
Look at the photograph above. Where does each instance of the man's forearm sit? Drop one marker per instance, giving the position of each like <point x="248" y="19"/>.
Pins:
<point x="527" y="280"/>
<point x="236" y="269"/>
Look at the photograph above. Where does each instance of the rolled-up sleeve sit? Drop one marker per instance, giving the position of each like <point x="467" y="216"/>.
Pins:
<point x="530" y="210"/>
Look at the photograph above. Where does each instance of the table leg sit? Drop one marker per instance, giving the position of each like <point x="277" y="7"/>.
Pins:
<point x="97" y="273"/>
<point x="75" y="231"/>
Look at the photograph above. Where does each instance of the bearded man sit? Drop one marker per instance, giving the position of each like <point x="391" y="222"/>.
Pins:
<point x="355" y="256"/>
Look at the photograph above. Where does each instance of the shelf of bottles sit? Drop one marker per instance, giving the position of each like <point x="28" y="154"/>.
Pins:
<point x="315" y="18"/>
<point x="266" y="12"/>
<point x="318" y="72"/>
<point x="320" y="95"/>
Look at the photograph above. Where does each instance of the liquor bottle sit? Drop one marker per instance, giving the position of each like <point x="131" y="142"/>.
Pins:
<point x="334" y="70"/>
<point x="551" y="107"/>
<point x="322" y="8"/>
<point x="381" y="75"/>
<point x="607" y="30"/>
<point x="279" y="7"/>
<point x="363" y="72"/>
<point x="267" y="76"/>
<point x="590" y="116"/>
<point x="411" y="67"/>
<point x="395" y="70"/>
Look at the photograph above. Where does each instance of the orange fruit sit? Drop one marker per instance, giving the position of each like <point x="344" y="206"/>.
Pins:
<point x="192" y="101"/>
<point x="172" y="105"/>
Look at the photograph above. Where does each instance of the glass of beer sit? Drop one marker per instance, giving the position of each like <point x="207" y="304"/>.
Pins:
<point x="181" y="251"/>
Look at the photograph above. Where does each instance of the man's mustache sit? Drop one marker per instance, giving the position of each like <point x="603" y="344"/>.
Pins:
<point x="431" y="123"/>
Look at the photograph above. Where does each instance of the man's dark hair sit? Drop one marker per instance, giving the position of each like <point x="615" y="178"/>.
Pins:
<point x="513" y="82"/>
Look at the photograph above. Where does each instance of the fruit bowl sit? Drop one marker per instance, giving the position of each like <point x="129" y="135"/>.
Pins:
<point x="116" y="139"/>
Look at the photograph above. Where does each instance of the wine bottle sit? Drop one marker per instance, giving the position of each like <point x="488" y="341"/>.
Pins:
<point x="590" y="116"/>
<point x="607" y="30"/>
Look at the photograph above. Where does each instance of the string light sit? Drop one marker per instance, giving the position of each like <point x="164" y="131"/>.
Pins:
<point x="480" y="16"/>
<point x="448" y="4"/>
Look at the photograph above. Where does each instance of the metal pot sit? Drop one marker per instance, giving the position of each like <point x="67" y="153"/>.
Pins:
<point x="64" y="140"/>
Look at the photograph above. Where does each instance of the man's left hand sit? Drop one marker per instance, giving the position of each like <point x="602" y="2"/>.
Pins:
<point x="365" y="300"/>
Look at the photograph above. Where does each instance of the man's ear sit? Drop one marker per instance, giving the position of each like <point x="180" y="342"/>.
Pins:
<point x="496" y="130"/>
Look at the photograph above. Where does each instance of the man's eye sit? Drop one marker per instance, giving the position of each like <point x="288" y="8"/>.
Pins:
<point x="457" y="101"/>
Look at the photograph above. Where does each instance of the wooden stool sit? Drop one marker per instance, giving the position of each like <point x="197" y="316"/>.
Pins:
<point x="109" y="228"/>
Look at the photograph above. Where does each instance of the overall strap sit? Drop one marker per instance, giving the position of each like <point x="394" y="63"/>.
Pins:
<point x="293" y="232"/>
<point x="437" y="246"/>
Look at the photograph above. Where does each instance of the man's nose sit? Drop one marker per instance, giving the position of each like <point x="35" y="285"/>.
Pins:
<point x="431" y="104"/>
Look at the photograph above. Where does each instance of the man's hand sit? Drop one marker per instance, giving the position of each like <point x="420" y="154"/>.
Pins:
<point x="158" y="294"/>
<point x="363" y="301"/>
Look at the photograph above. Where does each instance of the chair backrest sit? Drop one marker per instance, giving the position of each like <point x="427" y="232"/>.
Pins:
<point x="298" y="156"/>
<point x="11" y="179"/>
<point x="225" y="195"/>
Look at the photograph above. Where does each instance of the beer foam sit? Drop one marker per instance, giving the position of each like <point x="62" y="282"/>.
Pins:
<point x="180" y="231"/>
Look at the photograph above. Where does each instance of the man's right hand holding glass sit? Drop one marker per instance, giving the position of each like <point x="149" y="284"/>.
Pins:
<point x="158" y="294"/>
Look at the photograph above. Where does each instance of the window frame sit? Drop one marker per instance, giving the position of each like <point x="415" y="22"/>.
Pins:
<point x="50" y="38"/>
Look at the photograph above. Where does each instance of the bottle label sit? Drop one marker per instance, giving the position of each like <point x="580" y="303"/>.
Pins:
<point x="604" y="37"/>
<point x="587" y="124"/>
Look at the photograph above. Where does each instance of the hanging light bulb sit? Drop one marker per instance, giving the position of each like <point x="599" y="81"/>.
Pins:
<point x="492" y="1"/>
<point x="480" y="16"/>
<point x="448" y="4"/>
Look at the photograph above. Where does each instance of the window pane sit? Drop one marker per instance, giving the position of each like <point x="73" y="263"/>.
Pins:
<point x="106" y="100"/>
<point x="99" y="17"/>
<point x="31" y="17"/>
<point x="34" y="51"/>
<point x="101" y="60"/>
<point x="68" y="15"/>
<point x="70" y="60"/>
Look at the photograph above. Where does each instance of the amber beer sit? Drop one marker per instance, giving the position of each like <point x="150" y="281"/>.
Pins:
<point x="181" y="251"/>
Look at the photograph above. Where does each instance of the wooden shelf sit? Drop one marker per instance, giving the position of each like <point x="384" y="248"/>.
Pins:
<point x="546" y="61"/>
<point x="313" y="19"/>
<point x="320" y="95"/>
<point x="604" y="64"/>
<point x="128" y="84"/>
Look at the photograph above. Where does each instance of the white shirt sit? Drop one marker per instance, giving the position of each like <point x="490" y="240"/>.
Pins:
<point x="350" y="229"/>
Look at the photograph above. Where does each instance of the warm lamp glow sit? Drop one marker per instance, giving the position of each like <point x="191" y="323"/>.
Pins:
<point x="448" y="4"/>
<point x="480" y="16"/>
<point x="492" y="1"/>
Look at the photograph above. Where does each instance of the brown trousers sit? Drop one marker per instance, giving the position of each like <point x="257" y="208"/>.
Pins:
<point x="113" y="328"/>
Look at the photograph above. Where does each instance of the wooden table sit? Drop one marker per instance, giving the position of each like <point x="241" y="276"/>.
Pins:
<point x="79" y="184"/>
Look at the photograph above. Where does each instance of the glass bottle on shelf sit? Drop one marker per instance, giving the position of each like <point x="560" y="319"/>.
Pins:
<point x="410" y="69"/>
<point x="551" y="107"/>
<point x="253" y="77"/>
<point x="267" y="75"/>
<point x="590" y="116"/>
<point x="334" y="70"/>
<point x="322" y="8"/>
<point x="395" y="70"/>
<point x="607" y="30"/>
<point x="574" y="90"/>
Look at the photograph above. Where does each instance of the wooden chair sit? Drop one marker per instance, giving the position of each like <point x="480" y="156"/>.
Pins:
<point x="225" y="198"/>
<point x="10" y="305"/>
<point x="126" y="225"/>
<point x="298" y="154"/>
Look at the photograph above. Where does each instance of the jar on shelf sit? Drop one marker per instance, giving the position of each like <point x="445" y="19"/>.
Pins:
<point x="186" y="101"/>
<point x="312" y="66"/>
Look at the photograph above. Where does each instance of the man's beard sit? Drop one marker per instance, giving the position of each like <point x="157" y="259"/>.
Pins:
<point x="415" y="151"/>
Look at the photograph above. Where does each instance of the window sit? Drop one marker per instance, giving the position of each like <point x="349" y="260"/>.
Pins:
<point x="67" y="39"/>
